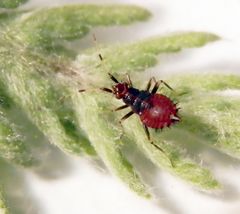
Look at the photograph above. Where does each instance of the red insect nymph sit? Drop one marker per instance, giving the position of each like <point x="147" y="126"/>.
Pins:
<point x="155" y="110"/>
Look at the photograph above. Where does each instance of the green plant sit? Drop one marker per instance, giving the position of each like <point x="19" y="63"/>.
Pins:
<point x="40" y="103"/>
<point x="11" y="3"/>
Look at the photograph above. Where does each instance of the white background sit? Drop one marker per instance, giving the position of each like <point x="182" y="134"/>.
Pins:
<point x="83" y="187"/>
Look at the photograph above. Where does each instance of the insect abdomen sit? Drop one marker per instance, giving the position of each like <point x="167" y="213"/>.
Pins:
<point x="162" y="113"/>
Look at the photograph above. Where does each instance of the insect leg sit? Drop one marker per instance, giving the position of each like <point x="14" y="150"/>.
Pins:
<point x="147" y="132"/>
<point x="127" y="116"/>
<point x="124" y="118"/>
<point x="168" y="86"/>
<point x="121" y="107"/>
<point x="149" y="84"/>
<point x="157" y="84"/>
<point x="160" y="149"/>
<point x="107" y="90"/>
<point x="103" y="89"/>
<point x="129" y="81"/>
<point x="155" y="145"/>
<point x="155" y="88"/>
<point x="113" y="78"/>
<point x="81" y="90"/>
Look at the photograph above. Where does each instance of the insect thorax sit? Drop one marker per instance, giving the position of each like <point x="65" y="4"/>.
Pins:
<point x="137" y="100"/>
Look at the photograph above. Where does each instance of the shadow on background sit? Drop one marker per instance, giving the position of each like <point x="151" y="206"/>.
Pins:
<point x="149" y="172"/>
<point x="197" y="139"/>
<point x="54" y="164"/>
<point x="19" y="197"/>
<point x="16" y="193"/>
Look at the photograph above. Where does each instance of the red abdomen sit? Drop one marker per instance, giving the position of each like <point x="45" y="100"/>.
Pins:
<point x="162" y="113"/>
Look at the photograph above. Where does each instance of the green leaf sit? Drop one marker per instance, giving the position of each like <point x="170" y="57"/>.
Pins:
<point x="49" y="27"/>
<point x="214" y="116"/>
<point x="105" y="137"/>
<point x="220" y="114"/>
<point x="3" y="207"/>
<point x="45" y="101"/>
<point x="12" y="182"/>
<point x="46" y="87"/>
<point x="18" y="142"/>
<point x="204" y="83"/>
<point x="42" y="102"/>
<point x="12" y="145"/>
<point x="183" y="165"/>
<point x="11" y="3"/>
<point x="223" y="117"/>
<point x="132" y="58"/>
<point x="7" y="17"/>
<point x="103" y="129"/>
<point x="143" y="54"/>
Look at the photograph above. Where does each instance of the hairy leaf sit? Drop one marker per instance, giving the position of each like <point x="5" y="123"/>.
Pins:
<point x="3" y="207"/>
<point x="119" y="59"/>
<point x="47" y="103"/>
<point x="143" y="54"/>
<point x="49" y="27"/>
<point x="11" y="3"/>
<point x="45" y="87"/>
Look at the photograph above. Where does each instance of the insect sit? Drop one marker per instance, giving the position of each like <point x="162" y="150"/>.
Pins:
<point x="154" y="109"/>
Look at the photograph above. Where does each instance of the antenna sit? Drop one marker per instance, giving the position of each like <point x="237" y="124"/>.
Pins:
<point x="97" y="47"/>
<point x="102" y="59"/>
